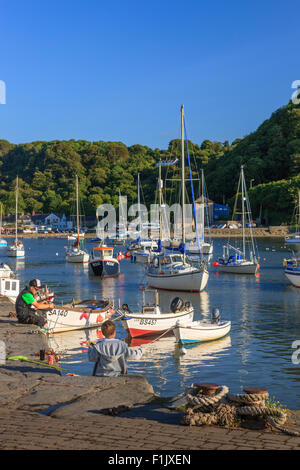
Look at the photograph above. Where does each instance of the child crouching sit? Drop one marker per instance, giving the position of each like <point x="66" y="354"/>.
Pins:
<point x="111" y="354"/>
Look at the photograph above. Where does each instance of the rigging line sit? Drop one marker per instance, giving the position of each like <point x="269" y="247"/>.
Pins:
<point x="192" y="189"/>
<point x="205" y="202"/>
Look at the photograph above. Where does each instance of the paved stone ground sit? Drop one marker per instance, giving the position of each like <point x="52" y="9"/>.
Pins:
<point x="41" y="410"/>
<point x="26" y="430"/>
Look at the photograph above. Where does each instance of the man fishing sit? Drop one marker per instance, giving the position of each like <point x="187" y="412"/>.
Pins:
<point x="27" y="307"/>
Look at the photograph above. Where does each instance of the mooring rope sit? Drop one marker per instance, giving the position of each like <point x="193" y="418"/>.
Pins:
<point x="226" y="409"/>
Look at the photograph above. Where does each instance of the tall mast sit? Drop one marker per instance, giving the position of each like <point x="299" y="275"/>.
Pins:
<point x="77" y="207"/>
<point x="16" y="210"/>
<point x="160" y="200"/>
<point x="1" y="220"/>
<point x="182" y="177"/>
<point x="203" y="202"/>
<point x="139" y="206"/>
<point x="243" y="211"/>
<point x="298" y="221"/>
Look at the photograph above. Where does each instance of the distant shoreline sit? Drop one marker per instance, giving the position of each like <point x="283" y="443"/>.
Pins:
<point x="260" y="232"/>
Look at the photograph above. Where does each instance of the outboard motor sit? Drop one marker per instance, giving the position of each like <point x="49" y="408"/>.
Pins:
<point x="176" y="305"/>
<point x="215" y="316"/>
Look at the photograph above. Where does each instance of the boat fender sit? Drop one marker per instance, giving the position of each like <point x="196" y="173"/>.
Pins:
<point x="84" y="315"/>
<point x="284" y="262"/>
<point x="215" y="316"/>
<point x="99" y="318"/>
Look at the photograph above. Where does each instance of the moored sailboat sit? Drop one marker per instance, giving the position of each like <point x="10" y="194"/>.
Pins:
<point x="75" y="253"/>
<point x="292" y="265"/>
<point x="173" y="272"/>
<point x="242" y="259"/>
<point x="16" y="249"/>
<point x="293" y="240"/>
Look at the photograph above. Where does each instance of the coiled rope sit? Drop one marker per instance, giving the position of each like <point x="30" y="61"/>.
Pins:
<point x="226" y="409"/>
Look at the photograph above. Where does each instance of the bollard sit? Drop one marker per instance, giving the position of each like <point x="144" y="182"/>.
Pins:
<point x="255" y="390"/>
<point x="207" y="388"/>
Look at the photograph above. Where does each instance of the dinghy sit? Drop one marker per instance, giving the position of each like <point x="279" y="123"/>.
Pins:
<point x="203" y="330"/>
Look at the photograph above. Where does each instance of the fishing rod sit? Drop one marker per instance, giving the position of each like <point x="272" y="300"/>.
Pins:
<point x="25" y="359"/>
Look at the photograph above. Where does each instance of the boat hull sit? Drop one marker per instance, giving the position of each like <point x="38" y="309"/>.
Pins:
<point x="65" y="318"/>
<point x="104" y="268"/>
<point x="16" y="253"/>
<point x="198" y="332"/>
<point x="77" y="257"/>
<point x="142" y="258"/>
<point x="293" y="277"/>
<point x="194" y="281"/>
<point x="239" y="269"/>
<point x="146" y="325"/>
<point x="205" y="249"/>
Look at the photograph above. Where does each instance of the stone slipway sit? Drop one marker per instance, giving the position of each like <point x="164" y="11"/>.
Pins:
<point x="40" y="409"/>
<point x="31" y="387"/>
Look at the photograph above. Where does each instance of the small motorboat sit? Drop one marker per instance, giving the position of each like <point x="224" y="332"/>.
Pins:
<point x="203" y="330"/>
<point x="102" y="262"/>
<point x="151" y="320"/>
<point x="79" y="315"/>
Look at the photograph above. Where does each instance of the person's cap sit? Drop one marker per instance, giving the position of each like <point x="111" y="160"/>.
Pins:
<point x="35" y="283"/>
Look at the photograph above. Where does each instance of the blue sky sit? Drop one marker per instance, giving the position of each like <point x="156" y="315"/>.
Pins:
<point x="119" y="70"/>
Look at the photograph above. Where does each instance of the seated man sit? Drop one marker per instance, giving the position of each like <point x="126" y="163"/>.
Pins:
<point x="111" y="354"/>
<point x="27" y="305"/>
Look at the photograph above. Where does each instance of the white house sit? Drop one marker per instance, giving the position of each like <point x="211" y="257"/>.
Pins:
<point x="56" y="222"/>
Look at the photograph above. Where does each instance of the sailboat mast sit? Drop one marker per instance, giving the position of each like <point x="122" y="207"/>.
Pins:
<point x="77" y="207"/>
<point x="160" y="199"/>
<point x="203" y="202"/>
<point x="16" y="238"/>
<point x="139" y="206"/>
<point x="1" y="220"/>
<point x="182" y="178"/>
<point x="243" y="212"/>
<point x="298" y="212"/>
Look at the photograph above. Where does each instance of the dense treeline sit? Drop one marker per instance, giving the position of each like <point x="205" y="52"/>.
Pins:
<point x="46" y="170"/>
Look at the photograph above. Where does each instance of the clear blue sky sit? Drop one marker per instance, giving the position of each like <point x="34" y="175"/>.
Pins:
<point x="119" y="70"/>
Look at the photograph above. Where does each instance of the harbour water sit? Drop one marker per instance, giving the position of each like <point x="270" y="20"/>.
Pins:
<point x="264" y="311"/>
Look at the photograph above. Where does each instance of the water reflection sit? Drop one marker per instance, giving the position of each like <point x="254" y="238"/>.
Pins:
<point x="264" y="311"/>
<point x="199" y="354"/>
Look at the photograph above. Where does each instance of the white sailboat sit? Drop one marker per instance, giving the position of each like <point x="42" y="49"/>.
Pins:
<point x="293" y="240"/>
<point x="16" y="249"/>
<point x="206" y="247"/>
<point x="241" y="259"/>
<point x="172" y="271"/>
<point x="74" y="253"/>
<point x="292" y="265"/>
<point x="143" y="249"/>
<point x="3" y="242"/>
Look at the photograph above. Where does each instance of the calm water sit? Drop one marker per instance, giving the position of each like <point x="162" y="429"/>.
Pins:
<point x="264" y="311"/>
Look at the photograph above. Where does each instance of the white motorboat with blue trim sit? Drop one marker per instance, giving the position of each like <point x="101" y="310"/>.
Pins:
<point x="202" y="330"/>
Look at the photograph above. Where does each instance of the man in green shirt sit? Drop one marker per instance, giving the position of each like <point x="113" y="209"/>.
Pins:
<point x="27" y="307"/>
